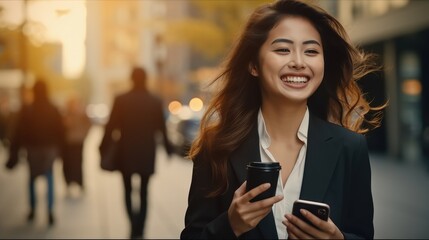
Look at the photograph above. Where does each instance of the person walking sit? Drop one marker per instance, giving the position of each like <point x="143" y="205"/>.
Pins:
<point x="77" y="125"/>
<point x="137" y="116"/>
<point x="40" y="132"/>
<point x="288" y="95"/>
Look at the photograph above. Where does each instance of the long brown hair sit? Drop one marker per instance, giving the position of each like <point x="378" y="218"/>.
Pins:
<point x="233" y="110"/>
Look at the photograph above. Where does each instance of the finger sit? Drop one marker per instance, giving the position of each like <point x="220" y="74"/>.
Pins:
<point x="319" y="223"/>
<point x="256" y="215"/>
<point x="298" y="227"/>
<point x="257" y="210"/>
<point x="242" y="189"/>
<point x="263" y="206"/>
<point x="320" y="227"/>
<point x="256" y="191"/>
<point x="268" y="202"/>
<point x="331" y="228"/>
<point x="250" y="216"/>
<point x="292" y="236"/>
<point x="293" y="231"/>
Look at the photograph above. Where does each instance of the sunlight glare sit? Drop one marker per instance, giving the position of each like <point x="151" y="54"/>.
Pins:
<point x="65" y="22"/>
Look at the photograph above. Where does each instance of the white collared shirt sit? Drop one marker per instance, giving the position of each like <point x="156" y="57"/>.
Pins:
<point x="292" y="188"/>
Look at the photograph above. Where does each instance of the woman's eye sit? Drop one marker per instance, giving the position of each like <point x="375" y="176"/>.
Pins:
<point x="311" y="52"/>
<point x="282" y="50"/>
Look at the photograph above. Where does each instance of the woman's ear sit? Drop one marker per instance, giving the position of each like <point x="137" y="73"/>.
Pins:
<point x="253" y="70"/>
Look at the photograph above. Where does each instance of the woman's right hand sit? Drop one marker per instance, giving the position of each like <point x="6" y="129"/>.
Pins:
<point x="245" y="215"/>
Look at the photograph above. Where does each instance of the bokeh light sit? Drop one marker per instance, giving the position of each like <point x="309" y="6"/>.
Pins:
<point x="174" y="107"/>
<point x="196" y="104"/>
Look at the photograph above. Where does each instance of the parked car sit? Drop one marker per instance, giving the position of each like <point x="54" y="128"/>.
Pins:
<point x="182" y="132"/>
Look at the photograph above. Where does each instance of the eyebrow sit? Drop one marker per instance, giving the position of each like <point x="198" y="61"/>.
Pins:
<point x="285" y="40"/>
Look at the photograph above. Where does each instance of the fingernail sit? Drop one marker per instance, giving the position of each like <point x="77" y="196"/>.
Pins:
<point x="303" y="212"/>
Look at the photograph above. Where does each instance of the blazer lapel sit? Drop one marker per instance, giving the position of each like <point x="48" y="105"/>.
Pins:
<point x="322" y="156"/>
<point x="246" y="153"/>
<point x="249" y="152"/>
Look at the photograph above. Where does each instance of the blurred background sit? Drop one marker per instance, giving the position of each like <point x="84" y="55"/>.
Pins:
<point x="87" y="48"/>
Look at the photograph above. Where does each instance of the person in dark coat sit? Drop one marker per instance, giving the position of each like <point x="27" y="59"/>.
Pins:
<point x="138" y="116"/>
<point x="77" y="125"/>
<point x="40" y="132"/>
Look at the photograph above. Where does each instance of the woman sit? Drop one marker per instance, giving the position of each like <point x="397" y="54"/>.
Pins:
<point x="289" y="95"/>
<point x="40" y="132"/>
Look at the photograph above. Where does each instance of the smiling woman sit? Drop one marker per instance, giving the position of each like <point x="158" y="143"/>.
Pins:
<point x="288" y="94"/>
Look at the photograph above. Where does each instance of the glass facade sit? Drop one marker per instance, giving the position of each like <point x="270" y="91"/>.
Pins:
<point x="398" y="31"/>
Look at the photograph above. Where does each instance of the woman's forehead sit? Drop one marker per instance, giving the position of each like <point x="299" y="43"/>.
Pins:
<point x="294" y="27"/>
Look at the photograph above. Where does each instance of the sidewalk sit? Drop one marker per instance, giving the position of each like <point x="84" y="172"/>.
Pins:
<point x="400" y="191"/>
<point x="401" y="196"/>
<point x="100" y="212"/>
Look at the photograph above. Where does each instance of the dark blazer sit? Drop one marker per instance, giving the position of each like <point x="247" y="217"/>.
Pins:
<point x="138" y="115"/>
<point x="337" y="172"/>
<point x="39" y="125"/>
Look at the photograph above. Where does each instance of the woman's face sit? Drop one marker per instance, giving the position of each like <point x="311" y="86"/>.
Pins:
<point x="291" y="64"/>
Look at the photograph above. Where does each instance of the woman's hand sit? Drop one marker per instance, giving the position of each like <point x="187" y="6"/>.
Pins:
<point x="298" y="229"/>
<point x="245" y="215"/>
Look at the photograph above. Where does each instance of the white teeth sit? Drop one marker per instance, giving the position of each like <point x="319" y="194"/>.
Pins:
<point x="294" y="79"/>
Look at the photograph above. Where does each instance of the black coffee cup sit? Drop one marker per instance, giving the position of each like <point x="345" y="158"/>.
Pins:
<point x="263" y="172"/>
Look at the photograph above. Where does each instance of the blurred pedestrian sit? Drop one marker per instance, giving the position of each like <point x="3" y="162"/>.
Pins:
<point x="77" y="125"/>
<point x="40" y="132"/>
<point x="4" y="119"/>
<point x="138" y="116"/>
<point x="288" y="94"/>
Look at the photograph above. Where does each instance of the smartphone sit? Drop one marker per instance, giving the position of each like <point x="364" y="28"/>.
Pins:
<point x="319" y="209"/>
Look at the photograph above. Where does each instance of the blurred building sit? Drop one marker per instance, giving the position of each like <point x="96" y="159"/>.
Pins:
<point x="398" y="31"/>
<point x="122" y="34"/>
<point x="34" y="42"/>
<point x="89" y="47"/>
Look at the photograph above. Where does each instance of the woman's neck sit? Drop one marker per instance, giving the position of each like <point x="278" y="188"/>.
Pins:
<point x="282" y="122"/>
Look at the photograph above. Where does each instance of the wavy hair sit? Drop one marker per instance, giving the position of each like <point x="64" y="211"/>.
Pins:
<point x="233" y="111"/>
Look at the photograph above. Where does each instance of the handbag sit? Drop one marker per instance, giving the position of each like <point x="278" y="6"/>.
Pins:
<point x="109" y="155"/>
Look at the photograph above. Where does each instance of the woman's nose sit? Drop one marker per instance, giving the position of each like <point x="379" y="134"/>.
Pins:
<point x="296" y="62"/>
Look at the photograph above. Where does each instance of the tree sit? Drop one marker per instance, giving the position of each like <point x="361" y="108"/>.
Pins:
<point x="212" y="25"/>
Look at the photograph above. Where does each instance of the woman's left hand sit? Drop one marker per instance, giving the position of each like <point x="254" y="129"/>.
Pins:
<point x="298" y="229"/>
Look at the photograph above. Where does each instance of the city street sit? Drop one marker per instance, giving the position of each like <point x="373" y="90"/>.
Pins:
<point x="400" y="191"/>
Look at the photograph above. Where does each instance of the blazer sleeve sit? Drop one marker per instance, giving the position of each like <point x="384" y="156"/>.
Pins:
<point x="205" y="218"/>
<point x="360" y="213"/>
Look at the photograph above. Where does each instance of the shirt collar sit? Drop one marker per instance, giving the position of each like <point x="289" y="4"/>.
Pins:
<point x="264" y="137"/>
<point x="303" y="128"/>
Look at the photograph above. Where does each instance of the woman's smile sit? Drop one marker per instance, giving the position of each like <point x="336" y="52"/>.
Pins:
<point x="295" y="81"/>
